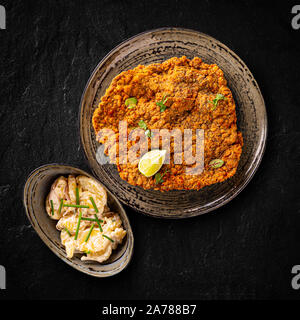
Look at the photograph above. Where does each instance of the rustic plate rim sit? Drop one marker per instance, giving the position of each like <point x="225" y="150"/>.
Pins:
<point x="262" y="144"/>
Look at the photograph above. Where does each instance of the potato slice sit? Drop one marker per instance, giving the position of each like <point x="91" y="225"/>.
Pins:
<point x="91" y="188"/>
<point x="72" y="185"/>
<point x="58" y="191"/>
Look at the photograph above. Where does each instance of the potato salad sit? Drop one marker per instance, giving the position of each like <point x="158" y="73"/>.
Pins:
<point x="86" y="223"/>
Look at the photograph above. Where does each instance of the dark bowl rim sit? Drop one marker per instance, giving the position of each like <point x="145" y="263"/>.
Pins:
<point x="262" y="144"/>
<point x="64" y="259"/>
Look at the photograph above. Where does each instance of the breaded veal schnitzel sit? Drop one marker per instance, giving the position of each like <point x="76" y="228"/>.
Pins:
<point x="178" y="93"/>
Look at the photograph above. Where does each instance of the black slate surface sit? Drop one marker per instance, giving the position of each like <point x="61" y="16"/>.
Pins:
<point x="244" y="250"/>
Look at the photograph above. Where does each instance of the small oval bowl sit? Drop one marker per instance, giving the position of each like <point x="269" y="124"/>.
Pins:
<point x="36" y="189"/>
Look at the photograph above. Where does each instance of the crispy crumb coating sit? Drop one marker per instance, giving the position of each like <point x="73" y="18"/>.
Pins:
<point x="191" y="86"/>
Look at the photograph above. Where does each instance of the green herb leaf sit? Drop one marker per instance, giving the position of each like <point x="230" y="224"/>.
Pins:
<point x="68" y="232"/>
<point x="108" y="238"/>
<point x="94" y="204"/>
<point x="159" y="177"/>
<point x="131" y="102"/>
<point x="142" y="124"/>
<point x="75" y="205"/>
<point x="87" y="252"/>
<point x="77" y="195"/>
<point x="165" y="99"/>
<point x="148" y="133"/>
<point x="90" y="219"/>
<point x="78" y="225"/>
<point x="161" y="103"/>
<point x="218" y="97"/>
<point x="60" y="205"/>
<point x="163" y="108"/>
<point x="52" y="208"/>
<point x="216" y="163"/>
<point x="98" y="222"/>
<point x="91" y="229"/>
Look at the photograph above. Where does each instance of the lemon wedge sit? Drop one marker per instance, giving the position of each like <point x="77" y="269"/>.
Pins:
<point x="151" y="162"/>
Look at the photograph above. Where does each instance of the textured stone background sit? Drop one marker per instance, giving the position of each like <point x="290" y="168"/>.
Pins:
<point x="245" y="249"/>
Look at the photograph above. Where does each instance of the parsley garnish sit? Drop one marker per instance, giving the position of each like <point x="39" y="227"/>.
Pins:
<point x="218" y="97"/>
<point x="159" y="177"/>
<point x="143" y="125"/>
<point x="161" y="103"/>
<point x="148" y="133"/>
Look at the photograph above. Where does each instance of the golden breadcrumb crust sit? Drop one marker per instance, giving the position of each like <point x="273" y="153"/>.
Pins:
<point x="191" y="86"/>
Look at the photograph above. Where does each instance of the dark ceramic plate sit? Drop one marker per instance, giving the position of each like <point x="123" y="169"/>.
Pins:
<point x="153" y="47"/>
<point x="35" y="191"/>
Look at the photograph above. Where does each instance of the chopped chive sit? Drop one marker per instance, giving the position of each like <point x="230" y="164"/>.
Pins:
<point x="75" y="206"/>
<point x="69" y="233"/>
<point x="131" y="102"/>
<point x="78" y="225"/>
<point x="108" y="238"/>
<point x="87" y="252"/>
<point x="60" y="206"/>
<point x="98" y="222"/>
<point x="88" y="219"/>
<point x="52" y="209"/>
<point x="91" y="229"/>
<point x="91" y="219"/>
<point x="216" y="163"/>
<point x="94" y="204"/>
<point x="77" y="195"/>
